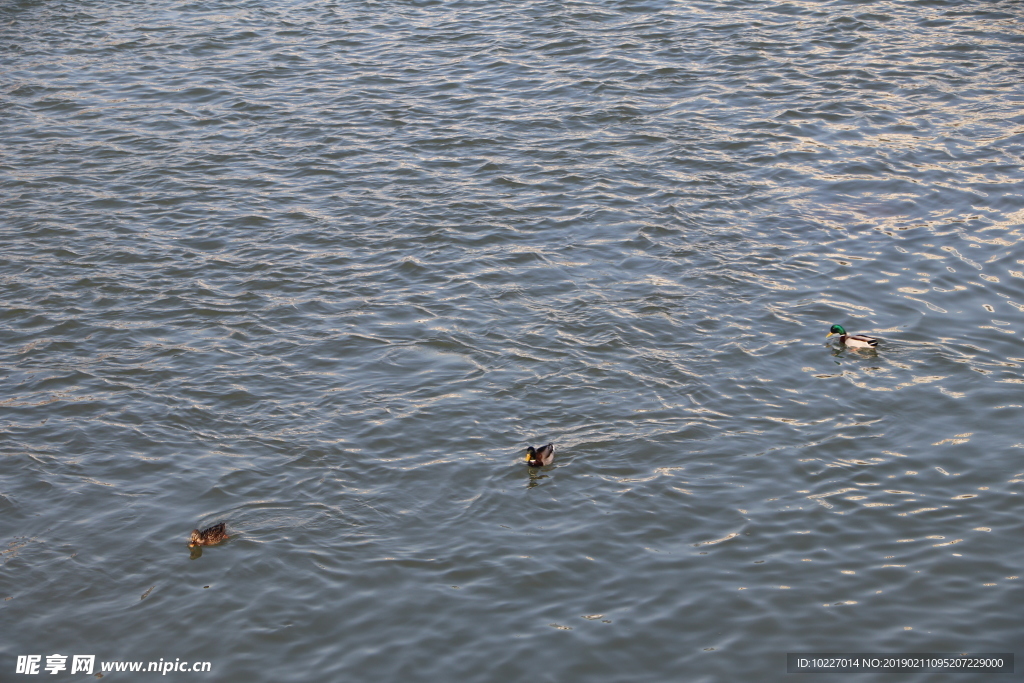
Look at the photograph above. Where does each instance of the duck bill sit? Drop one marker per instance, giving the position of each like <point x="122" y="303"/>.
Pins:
<point x="829" y="335"/>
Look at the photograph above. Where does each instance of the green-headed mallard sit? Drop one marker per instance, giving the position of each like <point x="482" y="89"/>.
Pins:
<point x="855" y="341"/>
<point x="212" y="536"/>
<point x="540" y="457"/>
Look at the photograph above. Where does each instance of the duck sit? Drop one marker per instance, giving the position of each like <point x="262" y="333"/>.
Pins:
<point x="856" y="341"/>
<point x="540" y="457"/>
<point x="212" y="536"/>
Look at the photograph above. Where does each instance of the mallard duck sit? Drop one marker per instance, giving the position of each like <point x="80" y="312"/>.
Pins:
<point x="212" y="536"/>
<point x="856" y="341"/>
<point x="540" y="457"/>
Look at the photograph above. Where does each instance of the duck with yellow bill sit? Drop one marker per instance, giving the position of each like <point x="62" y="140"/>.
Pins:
<point x="854" y="341"/>
<point x="540" y="457"/>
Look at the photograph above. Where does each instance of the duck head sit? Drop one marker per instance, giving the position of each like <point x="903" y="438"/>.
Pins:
<point x="836" y="329"/>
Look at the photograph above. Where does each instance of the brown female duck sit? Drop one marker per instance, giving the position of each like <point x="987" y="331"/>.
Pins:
<point x="212" y="536"/>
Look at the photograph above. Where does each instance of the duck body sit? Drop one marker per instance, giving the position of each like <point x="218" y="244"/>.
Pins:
<point x="540" y="457"/>
<point x="855" y="341"/>
<point x="212" y="536"/>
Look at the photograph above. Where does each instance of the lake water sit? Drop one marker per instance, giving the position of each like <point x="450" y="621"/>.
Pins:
<point x="323" y="270"/>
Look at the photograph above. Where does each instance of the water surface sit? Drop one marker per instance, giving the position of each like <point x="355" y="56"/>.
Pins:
<point x="323" y="270"/>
